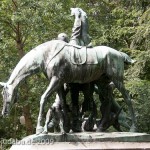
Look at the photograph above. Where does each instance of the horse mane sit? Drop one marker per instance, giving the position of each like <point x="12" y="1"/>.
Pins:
<point x="83" y="13"/>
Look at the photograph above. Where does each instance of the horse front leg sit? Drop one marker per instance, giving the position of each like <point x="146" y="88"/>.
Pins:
<point x="76" y="121"/>
<point x="89" y="105"/>
<point x="64" y="117"/>
<point x="53" y="86"/>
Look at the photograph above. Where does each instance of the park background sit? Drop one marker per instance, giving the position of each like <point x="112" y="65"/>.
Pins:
<point x="121" y="24"/>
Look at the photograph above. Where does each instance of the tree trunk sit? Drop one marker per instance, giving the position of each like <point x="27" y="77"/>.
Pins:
<point x="26" y="108"/>
<point x="20" y="46"/>
<point x="28" y="121"/>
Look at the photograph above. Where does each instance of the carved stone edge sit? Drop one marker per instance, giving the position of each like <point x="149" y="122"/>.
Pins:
<point x="88" y="137"/>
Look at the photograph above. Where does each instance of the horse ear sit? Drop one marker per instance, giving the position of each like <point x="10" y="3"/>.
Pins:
<point x="72" y="11"/>
<point x="2" y="84"/>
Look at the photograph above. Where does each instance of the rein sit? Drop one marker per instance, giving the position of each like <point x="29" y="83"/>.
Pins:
<point x="56" y="53"/>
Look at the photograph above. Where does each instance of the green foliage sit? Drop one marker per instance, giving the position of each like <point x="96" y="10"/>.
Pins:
<point x="141" y="38"/>
<point x="140" y="92"/>
<point x="141" y="69"/>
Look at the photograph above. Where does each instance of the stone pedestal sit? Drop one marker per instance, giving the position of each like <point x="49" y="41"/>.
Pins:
<point x="85" y="140"/>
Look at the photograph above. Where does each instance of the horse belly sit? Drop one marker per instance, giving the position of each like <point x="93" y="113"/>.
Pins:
<point x="85" y="73"/>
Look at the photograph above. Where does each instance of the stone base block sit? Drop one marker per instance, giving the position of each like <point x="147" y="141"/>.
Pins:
<point x="84" y="140"/>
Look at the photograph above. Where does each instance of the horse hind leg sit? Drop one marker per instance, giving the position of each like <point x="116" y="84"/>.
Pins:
<point x="63" y="112"/>
<point x="120" y="86"/>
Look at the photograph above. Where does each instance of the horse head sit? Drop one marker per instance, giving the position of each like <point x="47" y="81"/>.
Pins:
<point x="8" y="95"/>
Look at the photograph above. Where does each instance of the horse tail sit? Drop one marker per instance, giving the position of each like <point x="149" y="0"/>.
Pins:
<point x="127" y="59"/>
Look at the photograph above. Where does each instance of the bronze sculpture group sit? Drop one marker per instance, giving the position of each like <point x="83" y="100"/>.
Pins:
<point x="83" y="68"/>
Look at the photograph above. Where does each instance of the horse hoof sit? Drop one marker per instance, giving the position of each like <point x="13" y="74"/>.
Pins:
<point x="39" y="130"/>
<point x="133" y="129"/>
<point x="63" y="133"/>
<point x="77" y="129"/>
<point x="44" y="132"/>
<point x="100" y="130"/>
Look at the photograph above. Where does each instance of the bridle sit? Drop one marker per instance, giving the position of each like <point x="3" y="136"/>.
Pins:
<point x="5" y="93"/>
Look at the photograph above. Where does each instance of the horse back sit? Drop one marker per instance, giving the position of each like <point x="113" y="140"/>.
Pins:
<point x="113" y="62"/>
<point x="107" y="53"/>
<point x="82" y="55"/>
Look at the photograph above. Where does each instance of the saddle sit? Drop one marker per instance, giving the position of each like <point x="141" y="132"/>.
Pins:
<point x="82" y="55"/>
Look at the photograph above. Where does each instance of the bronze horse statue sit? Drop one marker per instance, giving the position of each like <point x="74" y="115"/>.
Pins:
<point x="64" y="63"/>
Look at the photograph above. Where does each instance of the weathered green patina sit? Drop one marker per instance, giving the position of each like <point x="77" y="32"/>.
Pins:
<point x="54" y="61"/>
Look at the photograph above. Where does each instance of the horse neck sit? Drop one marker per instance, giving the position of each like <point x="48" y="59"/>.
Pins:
<point x="27" y="66"/>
